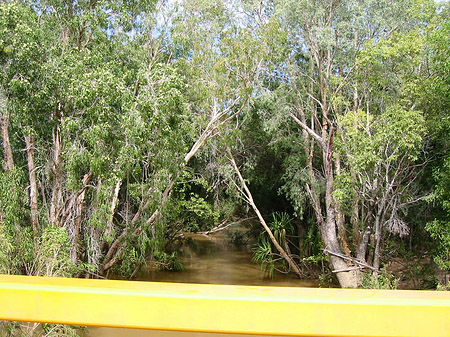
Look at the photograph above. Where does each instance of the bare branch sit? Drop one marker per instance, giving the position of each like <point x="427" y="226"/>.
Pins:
<point x="309" y="130"/>
<point x="350" y="259"/>
<point x="224" y="225"/>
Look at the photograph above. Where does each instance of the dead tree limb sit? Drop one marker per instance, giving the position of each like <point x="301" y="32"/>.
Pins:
<point x="224" y="225"/>
<point x="350" y="259"/>
<point x="251" y="202"/>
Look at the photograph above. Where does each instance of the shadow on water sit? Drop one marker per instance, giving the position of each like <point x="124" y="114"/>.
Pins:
<point x="209" y="259"/>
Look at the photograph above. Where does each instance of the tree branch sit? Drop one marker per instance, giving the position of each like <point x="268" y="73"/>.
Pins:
<point x="309" y="130"/>
<point x="350" y="259"/>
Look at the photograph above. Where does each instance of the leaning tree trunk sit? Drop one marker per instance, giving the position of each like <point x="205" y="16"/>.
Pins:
<point x="249" y="198"/>
<point x="114" y="201"/>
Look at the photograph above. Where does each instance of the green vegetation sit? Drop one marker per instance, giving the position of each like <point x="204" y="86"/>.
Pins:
<point x="125" y="124"/>
<point x="383" y="280"/>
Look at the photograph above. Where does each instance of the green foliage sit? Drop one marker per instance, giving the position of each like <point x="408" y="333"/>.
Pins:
<point x="402" y="130"/>
<point x="20" y="329"/>
<point x="6" y="248"/>
<point x="10" y="329"/>
<point x="344" y="193"/>
<point x="440" y="232"/>
<point x="59" y="330"/>
<point x="52" y="256"/>
<point x="369" y="139"/>
<point x="22" y="72"/>
<point x="439" y="229"/>
<point x="312" y="246"/>
<point x="191" y="205"/>
<point x="295" y="177"/>
<point x="384" y="280"/>
<point x="278" y="149"/>
<point x="281" y="226"/>
<point x="169" y="262"/>
<point x="13" y="198"/>
<point x="19" y="44"/>
<point x="443" y="287"/>
<point x="263" y="255"/>
<point x="436" y="100"/>
<point x="15" y="238"/>
<point x="131" y="259"/>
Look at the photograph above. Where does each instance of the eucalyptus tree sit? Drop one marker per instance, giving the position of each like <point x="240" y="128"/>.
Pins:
<point x="229" y="44"/>
<point x="435" y="101"/>
<point x="121" y="136"/>
<point x="23" y="94"/>
<point x="68" y="85"/>
<point x="385" y="160"/>
<point x="111" y="113"/>
<point x="104" y="105"/>
<point x="326" y="78"/>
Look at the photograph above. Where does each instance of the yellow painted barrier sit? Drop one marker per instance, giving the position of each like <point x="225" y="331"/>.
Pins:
<point x="225" y="309"/>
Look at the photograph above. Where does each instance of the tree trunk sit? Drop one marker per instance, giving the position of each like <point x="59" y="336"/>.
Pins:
<point x="115" y="199"/>
<point x="7" y="150"/>
<point x="29" y="141"/>
<point x="57" y="188"/>
<point x="74" y="252"/>
<point x="340" y="218"/>
<point x="328" y="227"/>
<point x="354" y="221"/>
<point x="363" y="244"/>
<point x="378" y="231"/>
<point x="347" y="279"/>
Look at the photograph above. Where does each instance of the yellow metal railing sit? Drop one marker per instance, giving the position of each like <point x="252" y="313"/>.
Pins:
<point x="225" y="309"/>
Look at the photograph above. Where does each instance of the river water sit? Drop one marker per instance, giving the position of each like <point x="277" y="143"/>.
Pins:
<point x="210" y="259"/>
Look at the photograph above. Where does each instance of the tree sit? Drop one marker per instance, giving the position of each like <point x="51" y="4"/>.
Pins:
<point x="324" y="79"/>
<point x="107" y="108"/>
<point x="104" y="114"/>
<point x="435" y="100"/>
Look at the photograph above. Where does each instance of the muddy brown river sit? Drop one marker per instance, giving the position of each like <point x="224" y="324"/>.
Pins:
<point x="213" y="260"/>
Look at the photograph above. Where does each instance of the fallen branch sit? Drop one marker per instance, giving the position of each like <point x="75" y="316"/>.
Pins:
<point x="350" y="259"/>
<point x="223" y="225"/>
<point x="345" y="270"/>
